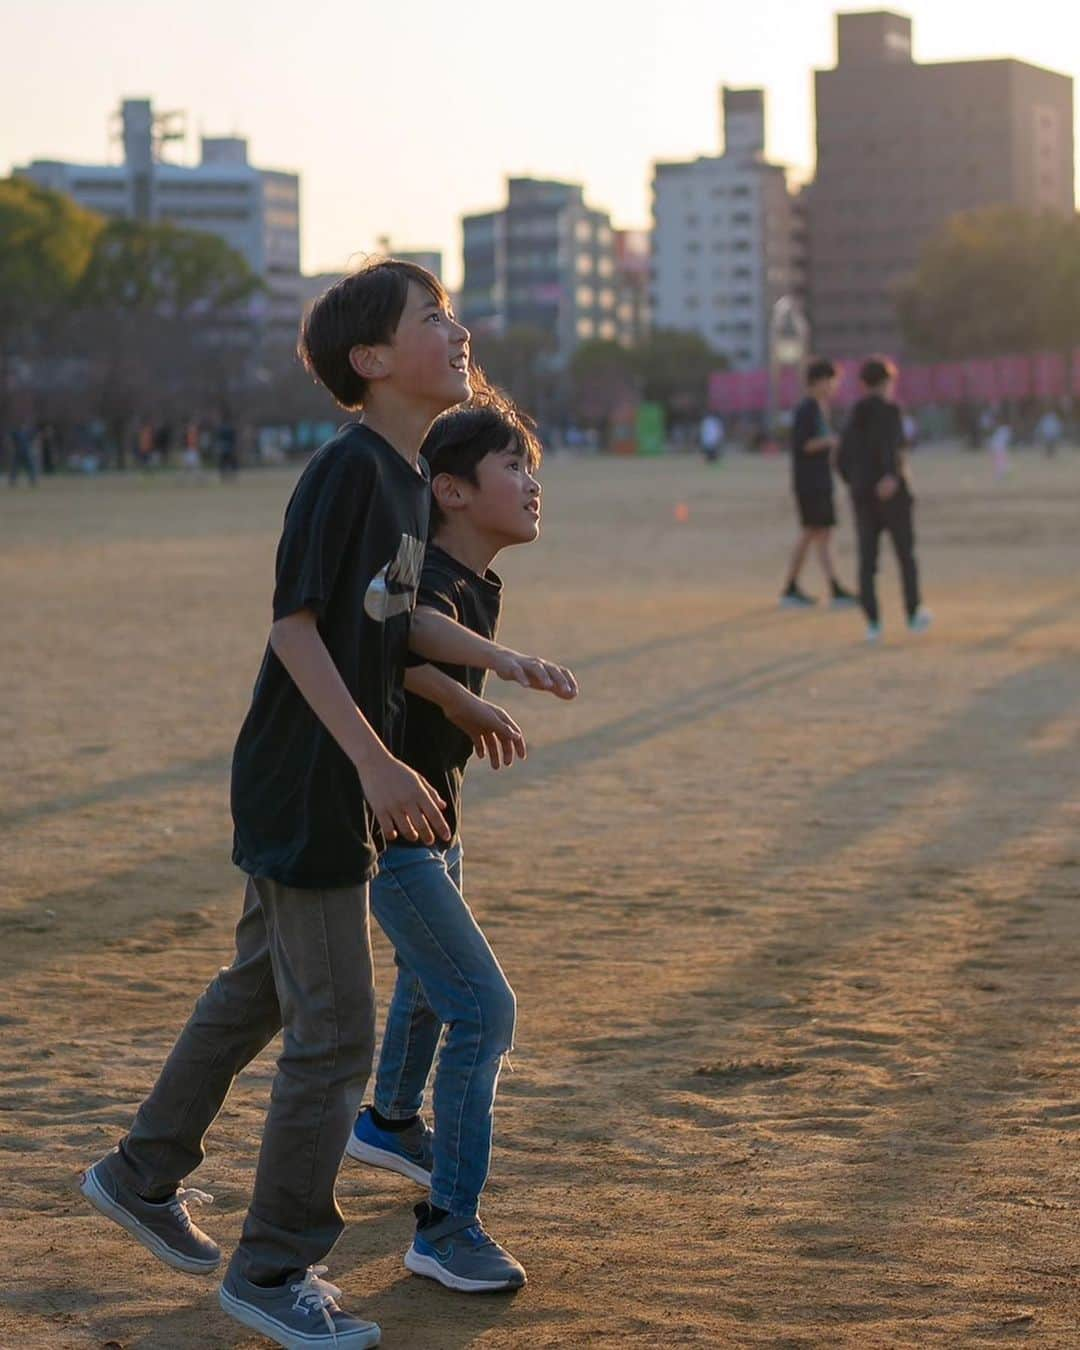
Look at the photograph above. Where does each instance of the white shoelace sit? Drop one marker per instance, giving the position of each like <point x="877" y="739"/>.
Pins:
<point x="317" y="1294"/>
<point x="183" y="1197"/>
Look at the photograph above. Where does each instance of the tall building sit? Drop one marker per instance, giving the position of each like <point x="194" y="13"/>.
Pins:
<point x="901" y="147"/>
<point x="633" y="283"/>
<point x="255" y="211"/>
<point x="727" y="238"/>
<point x="545" y="260"/>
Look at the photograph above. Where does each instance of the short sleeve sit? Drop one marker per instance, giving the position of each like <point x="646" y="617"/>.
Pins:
<point x="805" y="426"/>
<point x="323" y="515"/>
<point x="438" y="591"/>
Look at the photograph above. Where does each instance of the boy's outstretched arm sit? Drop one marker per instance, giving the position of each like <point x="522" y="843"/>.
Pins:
<point x="437" y="637"/>
<point x="493" y="732"/>
<point x="403" y="803"/>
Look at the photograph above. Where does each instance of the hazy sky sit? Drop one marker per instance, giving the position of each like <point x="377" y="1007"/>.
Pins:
<point x="401" y="116"/>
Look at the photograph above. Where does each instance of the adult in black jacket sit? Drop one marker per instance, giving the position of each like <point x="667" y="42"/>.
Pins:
<point x="872" y="463"/>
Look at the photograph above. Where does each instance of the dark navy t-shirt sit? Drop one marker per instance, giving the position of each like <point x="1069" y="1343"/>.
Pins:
<point x="351" y="551"/>
<point x="811" y="472"/>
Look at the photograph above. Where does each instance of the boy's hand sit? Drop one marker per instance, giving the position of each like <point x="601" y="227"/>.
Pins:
<point x="492" y="730"/>
<point x="405" y="804"/>
<point x="535" y="673"/>
<point x="887" y="487"/>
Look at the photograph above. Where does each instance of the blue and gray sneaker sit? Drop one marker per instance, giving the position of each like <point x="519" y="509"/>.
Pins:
<point x="406" y="1151"/>
<point x="300" y="1316"/>
<point x="458" y="1253"/>
<point x="164" y="1228"/>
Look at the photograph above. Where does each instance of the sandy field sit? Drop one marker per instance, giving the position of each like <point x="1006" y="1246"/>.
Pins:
<point x="792" y="922"/>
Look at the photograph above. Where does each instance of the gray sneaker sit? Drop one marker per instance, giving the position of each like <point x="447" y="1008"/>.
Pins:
<point x="457" y="1252"/>
<point x="164" y="1229"/>
<point x="300" y="1316"/>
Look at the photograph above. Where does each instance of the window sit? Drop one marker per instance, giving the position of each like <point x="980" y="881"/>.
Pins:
<point x="608" y="330"/>
<point x="585" y="297"/>
<point x="584" y="264"/>
<point x="586" y="328"/>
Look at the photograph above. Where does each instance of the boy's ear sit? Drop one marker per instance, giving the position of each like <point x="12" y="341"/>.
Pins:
<point x="369" y="362"/>
<point x="448" y="492"/>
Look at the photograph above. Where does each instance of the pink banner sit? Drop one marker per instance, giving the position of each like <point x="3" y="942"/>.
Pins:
<point x="1049" y="375"/>
<point x="720" y="391"/>
<point x="791" y="387"/>
<point x="848" y="390"/>
<point x="916" y="385"/>
<point x="1014" y="376"/>
<point x="982" y="380"/>
<point x="948" y="381"/>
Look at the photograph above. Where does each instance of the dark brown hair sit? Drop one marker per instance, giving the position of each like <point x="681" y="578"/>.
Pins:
<point x="876" y="371"/>
<point x="363" y="309"/>
<point x="487" y="424"/>
<point x="820" y="368"/>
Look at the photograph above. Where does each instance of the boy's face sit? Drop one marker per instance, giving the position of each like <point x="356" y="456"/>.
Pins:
<point x="504" y="503"/>
<point x="428" y="359"/>
<point x="825" y="390"/>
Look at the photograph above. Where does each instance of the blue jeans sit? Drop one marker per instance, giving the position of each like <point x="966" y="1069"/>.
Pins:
<point x="447" y="976"/>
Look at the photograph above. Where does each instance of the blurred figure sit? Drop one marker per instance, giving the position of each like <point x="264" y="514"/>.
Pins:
<point x="1000" y="443"/>
<point x="192" y="458"/>
<point x="711" y="435"/>
<point x="23" y="454"/>
<point x="872" y="463"/>
<point x="812" y="447"/>
<point x="1049" y="432"/>
<point x="228" y="461"/>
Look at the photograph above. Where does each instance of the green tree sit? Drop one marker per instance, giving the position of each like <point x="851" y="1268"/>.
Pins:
<point x="604" y="375"/>
<point x="674" y="369"/>
<point x="46" y="242"/>
<point x="166" y="272"/>
<point x="519" y="361"/>
<point x="994" y="281"/>
<point x="161" y="320"/>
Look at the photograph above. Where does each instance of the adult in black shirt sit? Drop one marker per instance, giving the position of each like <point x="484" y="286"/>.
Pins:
<point x="872" y="463"/>
<point x="812" y="445"/>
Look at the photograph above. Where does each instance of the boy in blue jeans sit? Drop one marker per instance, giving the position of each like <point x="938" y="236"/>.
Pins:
<point x="316" y="789"/>
<point x="482" y="461"/>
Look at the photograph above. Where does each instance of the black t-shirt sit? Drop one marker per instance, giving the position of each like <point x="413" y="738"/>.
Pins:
<point x="811" y="471"/>
<point x="352" y="552"/>
<point x="433" y="745"/>
<point x="872" y="445"/>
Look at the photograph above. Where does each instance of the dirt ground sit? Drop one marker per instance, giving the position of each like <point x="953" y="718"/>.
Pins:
<point x="792" y="922"/>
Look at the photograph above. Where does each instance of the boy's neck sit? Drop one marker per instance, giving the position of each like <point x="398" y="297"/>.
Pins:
<point x="465" y="545"/>
<point x="401" y="424"/>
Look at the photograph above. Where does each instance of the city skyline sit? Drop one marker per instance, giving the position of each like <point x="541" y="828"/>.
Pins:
<point x="433" y="136"/>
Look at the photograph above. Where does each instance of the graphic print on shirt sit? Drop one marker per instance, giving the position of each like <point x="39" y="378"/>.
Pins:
<point x="393" y="588"/>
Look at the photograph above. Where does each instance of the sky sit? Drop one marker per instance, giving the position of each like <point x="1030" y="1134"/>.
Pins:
<point x="402" y="116"/>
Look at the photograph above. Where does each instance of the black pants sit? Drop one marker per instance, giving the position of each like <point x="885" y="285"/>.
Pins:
<point x="896" y="518"/>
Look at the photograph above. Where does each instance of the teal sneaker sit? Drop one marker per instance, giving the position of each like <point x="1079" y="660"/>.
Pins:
<point x="406" y="1151"/>
<point x="920" y="621"/>
<point x="873" y="633"/>
<point x="300" y="1316"/>
<point x="457" y="1252"/>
